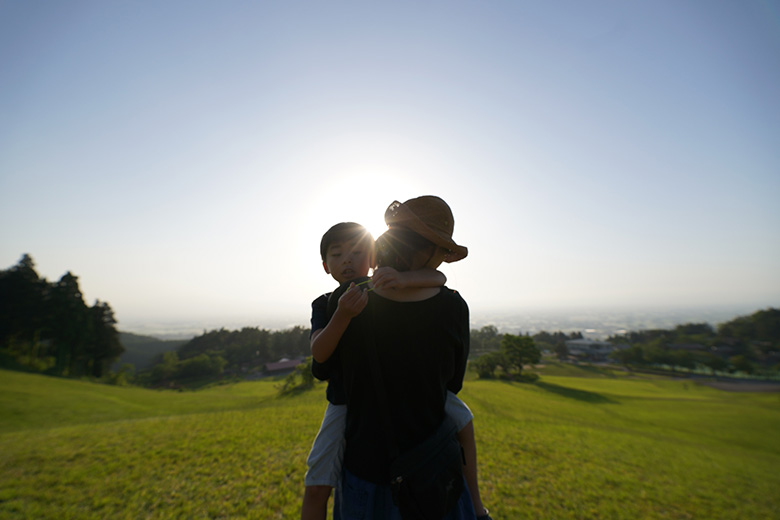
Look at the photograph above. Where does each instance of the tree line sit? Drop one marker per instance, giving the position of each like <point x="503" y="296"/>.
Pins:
<point x="47" y="327"/>
<point x="748" y="344"/>
<point x="488" y="340"/>
<point x="224" y="353"/>
<point x="513" y="353"/>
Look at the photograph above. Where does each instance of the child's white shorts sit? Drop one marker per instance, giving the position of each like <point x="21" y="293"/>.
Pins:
<point x="327" y="451"/>
<point x="457" y="410"/>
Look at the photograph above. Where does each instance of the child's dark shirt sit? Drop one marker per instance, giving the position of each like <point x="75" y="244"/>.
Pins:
<point x="330" y="370"/>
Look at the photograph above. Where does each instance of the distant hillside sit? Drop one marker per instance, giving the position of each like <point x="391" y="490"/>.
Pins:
<point x="141" y="351"/>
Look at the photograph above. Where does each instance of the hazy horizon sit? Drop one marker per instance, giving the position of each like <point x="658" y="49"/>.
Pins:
<point x="595" y="322"/>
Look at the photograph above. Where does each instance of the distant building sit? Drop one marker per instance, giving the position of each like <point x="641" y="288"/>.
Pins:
<point x="588" y="349"/>
<point x="283" y="365"/>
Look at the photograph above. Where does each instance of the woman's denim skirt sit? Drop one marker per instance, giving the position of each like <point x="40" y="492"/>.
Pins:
<point x="358" y="499"/>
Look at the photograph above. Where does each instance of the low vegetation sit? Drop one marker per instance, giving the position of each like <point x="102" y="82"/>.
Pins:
<point x="590" y="444"/>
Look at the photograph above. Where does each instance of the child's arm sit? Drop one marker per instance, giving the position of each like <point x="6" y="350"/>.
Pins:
<point x="389" y="278"/>
<point x="324" y="341"/>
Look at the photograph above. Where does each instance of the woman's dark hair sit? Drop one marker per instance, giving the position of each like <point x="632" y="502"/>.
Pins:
<point x="398" y="248"/>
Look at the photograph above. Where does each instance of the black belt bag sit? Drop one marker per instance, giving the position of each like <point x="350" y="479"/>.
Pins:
<point x="428" y="479"/>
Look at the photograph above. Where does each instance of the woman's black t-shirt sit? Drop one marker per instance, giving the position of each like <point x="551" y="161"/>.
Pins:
<point x="422" y="347"/>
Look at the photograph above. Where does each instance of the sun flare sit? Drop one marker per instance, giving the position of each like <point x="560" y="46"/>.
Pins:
<point x="362" y="199"/>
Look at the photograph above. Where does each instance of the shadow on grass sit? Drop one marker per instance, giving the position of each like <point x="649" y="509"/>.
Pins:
<point x="571" y="393"/>
<point x="292" y="391"/>
<point x="597" y="371"/>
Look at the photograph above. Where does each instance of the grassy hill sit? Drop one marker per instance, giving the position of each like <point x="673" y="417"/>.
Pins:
<point x="607" y="446"/>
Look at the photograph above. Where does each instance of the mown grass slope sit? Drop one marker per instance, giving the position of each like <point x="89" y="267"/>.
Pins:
<point x="566" y="447"/>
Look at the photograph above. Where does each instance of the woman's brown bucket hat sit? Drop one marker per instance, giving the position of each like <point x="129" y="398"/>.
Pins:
<point x="430" y="217"/>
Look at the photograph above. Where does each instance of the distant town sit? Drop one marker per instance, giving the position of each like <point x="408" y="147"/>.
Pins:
<point x="595" y="323"/>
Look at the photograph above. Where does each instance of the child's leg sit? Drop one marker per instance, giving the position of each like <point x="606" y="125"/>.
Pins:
<point x="466" y="438"/>
<point x="325" y="460"/>
<point x="315" y="502"/>
<point x="458" y="410"/>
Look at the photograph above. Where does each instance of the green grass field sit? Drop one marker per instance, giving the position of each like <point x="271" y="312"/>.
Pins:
<point x="568" y="447"/>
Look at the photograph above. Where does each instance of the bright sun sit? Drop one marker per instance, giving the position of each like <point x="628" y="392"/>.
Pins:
<point x="362" y="199"/>
<point x="359" y="173"/>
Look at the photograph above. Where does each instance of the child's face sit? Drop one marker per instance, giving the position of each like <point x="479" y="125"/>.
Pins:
<point x="347" y="260"/>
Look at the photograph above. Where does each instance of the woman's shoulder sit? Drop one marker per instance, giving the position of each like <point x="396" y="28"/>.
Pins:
<point x="448" y="292"/>
<point x="451" y="296"/>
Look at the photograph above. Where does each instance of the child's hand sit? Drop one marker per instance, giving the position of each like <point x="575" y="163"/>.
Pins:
<point x="388" y="278"/>
<point x="353" y="301"/>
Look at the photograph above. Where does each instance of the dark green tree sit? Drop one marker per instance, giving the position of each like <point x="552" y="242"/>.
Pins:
<point x="486" y="364"/>
<point x="682" y="358"/>
<point x="561" y="350"/>
<point x="694" y="329"/>
<point x="628" y="357"/>
<point x="48" y="327"/>
<point x="202" y="366"/>
<point x="762" y="329"/>
<point x="518" y="351"/>
<point x="22" y="310"/>
<point x="103" y="347"/>
<point x="555" y="342"/>
<point x="68" y="327"/>
<point x="292" y="343"/>
<point x="165" y="371"/>
<point x="741" y="363"/>
<point x="715" y="363"/>
<point x="486" y="339"/>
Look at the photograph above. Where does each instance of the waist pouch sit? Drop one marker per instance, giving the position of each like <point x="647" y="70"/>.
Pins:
<point x="427" y="480"/>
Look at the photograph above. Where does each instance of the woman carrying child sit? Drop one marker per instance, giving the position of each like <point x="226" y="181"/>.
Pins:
<point x="419" y="340"/>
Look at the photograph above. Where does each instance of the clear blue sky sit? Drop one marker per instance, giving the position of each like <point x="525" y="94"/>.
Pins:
<point x="183" y="158"/>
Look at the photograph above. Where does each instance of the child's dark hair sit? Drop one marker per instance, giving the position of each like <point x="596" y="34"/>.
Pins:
<point x="343" y="232"/>
<point x="397" y="248"/>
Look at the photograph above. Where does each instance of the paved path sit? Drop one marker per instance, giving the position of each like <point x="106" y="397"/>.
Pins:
<point x="742" y="386"/>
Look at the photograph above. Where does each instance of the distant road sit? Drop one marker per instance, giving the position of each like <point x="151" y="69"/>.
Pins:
<point x="743" y="386"/>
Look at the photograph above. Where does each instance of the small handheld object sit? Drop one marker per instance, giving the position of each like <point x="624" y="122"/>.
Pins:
<point x="364" y="282"/>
